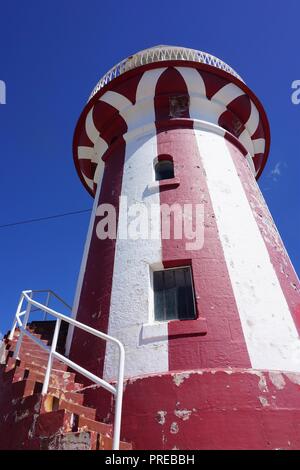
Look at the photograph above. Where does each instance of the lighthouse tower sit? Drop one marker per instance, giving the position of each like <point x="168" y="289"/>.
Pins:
<point x="209" y="317"/>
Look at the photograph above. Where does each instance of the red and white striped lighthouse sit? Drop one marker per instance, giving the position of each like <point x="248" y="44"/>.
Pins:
<point x="211" y="333"/>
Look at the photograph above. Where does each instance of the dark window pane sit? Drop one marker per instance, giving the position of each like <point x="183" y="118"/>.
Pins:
<point x="181" y="301"/>
<point x="170" y="291"/>
<point x="189" y="295"/>
<point x="159" y="295"/>
<point x="173" y="294"/>
<point x="164" y="170"/>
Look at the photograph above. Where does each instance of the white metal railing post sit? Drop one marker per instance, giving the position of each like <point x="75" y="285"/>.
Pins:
<point x="119" y="398"/>
<point x="117" y="390"/>
<point x="47" y="304"/>
<point x="24" y="324"/>
<point x="50" y="360"/>
<point x="19" y="307"/>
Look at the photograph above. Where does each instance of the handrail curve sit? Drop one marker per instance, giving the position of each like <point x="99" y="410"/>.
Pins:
<point x="116" y="390"/>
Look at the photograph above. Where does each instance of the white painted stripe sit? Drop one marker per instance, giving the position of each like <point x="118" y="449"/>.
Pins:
<point x="253" y="121"/>
<point x="131" y="304"/>
<point x="200" y="108"/>
<point x="227" y="94"/>
<point x="90" y="128"/>
<point x="134" y="257"/>
<point x="259" y="145"/>
<point x="270" y="333"/>
<point x="147" y="85"/>
<point x="86" y="153"/>
<point x="245" y="139"/>
<point x="98" y="176"/>
<point x="142" y="112"/>
<point x="193" y="80"/>
<point x="100" y="147"/>
<point x="116" y="100"/>
<point x="88" y="181"/>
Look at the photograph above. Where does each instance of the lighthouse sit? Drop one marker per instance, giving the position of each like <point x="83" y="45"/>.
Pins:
<point x="210" y="316"/>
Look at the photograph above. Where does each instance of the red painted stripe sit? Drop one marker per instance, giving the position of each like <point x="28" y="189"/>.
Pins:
<point x="108" y="121"/>
<point x="87" y="167"/>
<point x="236" y="115"/>
<point x="213" y="82"/>
<point x="259" y="133"/>
<point x="224" y="343"/>
<point x="229" y="121"/>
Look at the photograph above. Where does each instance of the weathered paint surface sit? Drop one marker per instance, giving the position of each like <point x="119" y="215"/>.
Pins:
<point x="236" y="306"/>
<point x="190" y="383"/>
<point x="141" y="116"/>
<point x="280" y="260"/>
<point x="213" y="409"/>
<point x="270" y="333"/>
<point x="135" y="257"/>
<point x="56" y="421"/>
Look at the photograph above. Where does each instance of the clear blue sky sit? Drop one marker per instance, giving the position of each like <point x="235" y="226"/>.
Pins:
<point x="53" y="53"/>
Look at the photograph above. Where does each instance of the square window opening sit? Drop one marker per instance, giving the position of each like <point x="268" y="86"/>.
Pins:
<point x="174" y="297"/>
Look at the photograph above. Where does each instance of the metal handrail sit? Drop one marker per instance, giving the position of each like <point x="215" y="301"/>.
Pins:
<point x="117" y="390"/>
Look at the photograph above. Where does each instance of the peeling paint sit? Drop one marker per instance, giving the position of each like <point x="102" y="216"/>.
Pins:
<point x="37" y="406"/>
<point x="263" y="401"/>
<point x="183" y="414"/>
<point x="178" y="379"/>
<point x="161" y="417"/>
<point x="262" y="384"/>
<point x="277" y="379"/>
<point x="174" y="428"/>
<point x="19" y="417"/>
<point x="48" y="403"/>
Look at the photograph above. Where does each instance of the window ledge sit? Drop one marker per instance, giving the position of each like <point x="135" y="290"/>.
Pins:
<point x="157" y="331"/>
<point x="188" y="327"/>
<point x="169" y="183"/>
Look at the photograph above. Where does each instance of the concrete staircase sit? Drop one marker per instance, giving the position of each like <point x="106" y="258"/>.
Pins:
<point x="57" y="421"/>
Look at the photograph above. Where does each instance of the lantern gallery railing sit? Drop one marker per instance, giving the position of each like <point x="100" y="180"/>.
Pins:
<point x="159" y="54"/>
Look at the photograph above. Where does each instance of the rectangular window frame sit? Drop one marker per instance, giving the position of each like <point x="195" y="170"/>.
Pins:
<point x="175" y="319"/>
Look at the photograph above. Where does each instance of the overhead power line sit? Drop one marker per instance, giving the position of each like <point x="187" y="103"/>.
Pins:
<point x="40" y="219"/>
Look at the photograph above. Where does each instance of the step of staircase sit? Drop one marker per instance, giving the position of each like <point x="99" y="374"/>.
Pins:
<point x="106" y="444"/>
<point x="26" y="338"/>
<point x="58" y="420"/>
<point x="38" y="359"/>
<point x="101" y="428"/>
<point x="59" y="394"/>
<point x="78" y="410"/>
<point x="29" y="363"/>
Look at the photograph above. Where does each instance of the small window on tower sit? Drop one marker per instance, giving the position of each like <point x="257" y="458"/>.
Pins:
<point x="173" y="294"/>
<point x="164" y="170"/>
